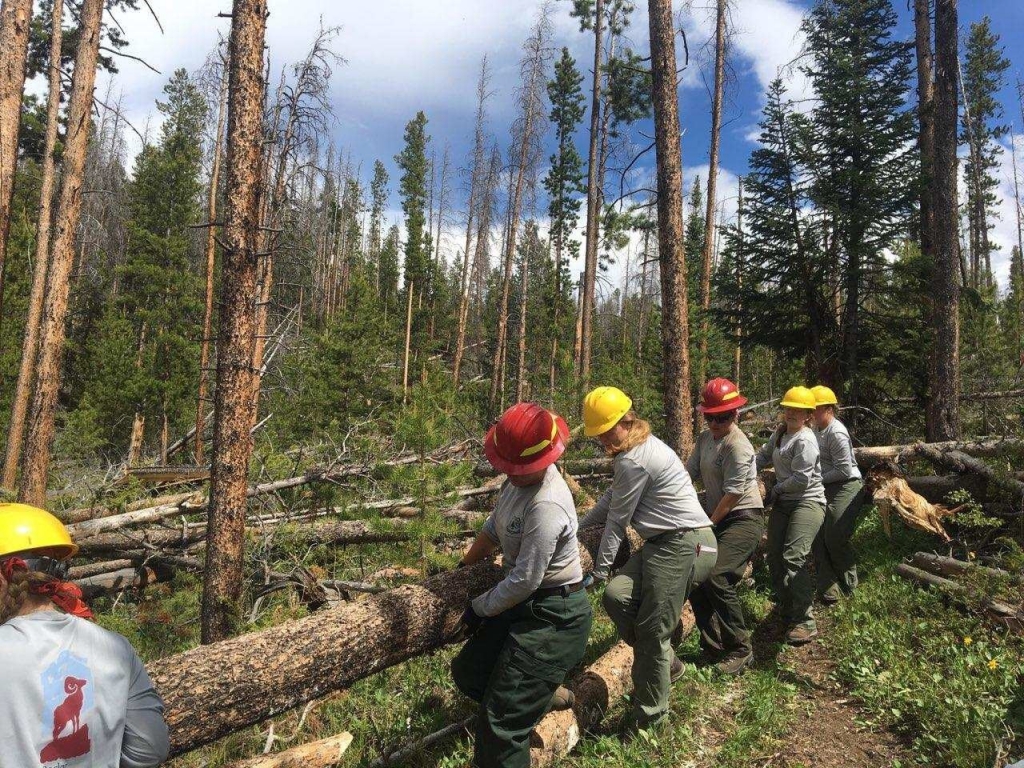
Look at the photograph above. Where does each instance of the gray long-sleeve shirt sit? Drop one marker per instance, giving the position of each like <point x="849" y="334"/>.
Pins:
<point x="837" y="460"/>
<point x="797" y="466"/>
<point x="536" y="529"/>
<point x="650" y="490"/>
<point x="725" y="466"/>
<point x="75" y="696"/>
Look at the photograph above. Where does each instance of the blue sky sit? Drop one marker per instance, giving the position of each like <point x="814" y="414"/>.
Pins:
<point x="406" y="55"/>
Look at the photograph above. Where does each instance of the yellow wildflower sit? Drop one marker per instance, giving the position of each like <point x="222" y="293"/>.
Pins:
<point x="992" y="663"/>
<point x="968" y="641"/>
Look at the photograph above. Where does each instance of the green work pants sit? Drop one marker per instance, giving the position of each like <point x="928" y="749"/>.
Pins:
<point x="792" y="527"/>
<point x="738" y="537"/>
<point x="512" y="667"/>
<point x="833" y="551"/>
<point x="645" y="601"/>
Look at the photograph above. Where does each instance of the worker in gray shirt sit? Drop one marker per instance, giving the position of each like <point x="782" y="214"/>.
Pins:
<point x="651" y="491"/>
<point x="527" y="632"/>
<point x="845" y="501"/>
<point x="798" y="509"/>
<point x="723" y="460"/>
<point x="74" y="694"/>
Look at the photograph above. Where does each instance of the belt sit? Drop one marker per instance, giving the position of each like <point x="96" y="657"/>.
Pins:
<point x="564" y="591"/>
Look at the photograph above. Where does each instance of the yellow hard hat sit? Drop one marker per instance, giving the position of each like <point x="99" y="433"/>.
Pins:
<point x="24" y="528"/>
<point x="799" y="397"/>
<point x="602" y="410"/>
<point x="824" y="396"/>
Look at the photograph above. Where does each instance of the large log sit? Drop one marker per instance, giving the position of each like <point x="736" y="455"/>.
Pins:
<point x="950" y="566"/>
<point x="81" y="514"/>
<point x="216" y="689"/>
<point x="125" y="578"/>
<point x="960" y="461"/>
<point x="99" y="525"/>
<point x="316" y="754"/>
<point x="1007" y="615"/>
<point x="597" y="690"/>
<point x="115" y="543"/>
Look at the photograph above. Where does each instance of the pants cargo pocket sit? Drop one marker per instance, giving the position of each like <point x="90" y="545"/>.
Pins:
<point x="519" y="679"/>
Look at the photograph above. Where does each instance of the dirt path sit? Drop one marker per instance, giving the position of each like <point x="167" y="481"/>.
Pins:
<point x="828" y="730"/>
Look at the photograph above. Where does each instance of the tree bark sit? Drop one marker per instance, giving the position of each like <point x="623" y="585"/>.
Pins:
<point x="30" y="345"/>
<point x="408" y="342"/>
<point x="234" y="404"/>
<point x="211" y="258"/>
<point x="524" y="285"/>
<point x="593" y="210"/>
<point x="738" y="255"/>
<point x="675" y="332"/>
<point x="943" y="411"/>
<point x="213" y="690"/>
<point x="38" y="444"/>
<point x="709" y="215"/>
<point x="15" y="16"/>
<point x="926" y="127"/>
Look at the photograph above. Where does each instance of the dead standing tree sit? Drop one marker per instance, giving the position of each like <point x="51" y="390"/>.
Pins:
<point x="234" y="404"/>
<point x="211" y="255"/>
<point x="38" y="443"/>
<point x="709" y="215"/>
<point x="300" y="115"/>
<point x="943" y="415"/>
<point x="527" y="133"/>
<point x="15" y="16"/>
<point x="30" y="345"/>
<point x="477" y="179"/>
<point x="675" y="333"/>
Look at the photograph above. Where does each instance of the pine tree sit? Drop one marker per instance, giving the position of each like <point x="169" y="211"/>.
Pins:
<point x="983" y="77"/>
<point x="858" y="146"/>
<point x="413" y="189"/>
<point x="378" y="201"/>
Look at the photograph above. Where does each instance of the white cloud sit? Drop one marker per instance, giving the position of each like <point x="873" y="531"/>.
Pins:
<point x="1004" y="232"/>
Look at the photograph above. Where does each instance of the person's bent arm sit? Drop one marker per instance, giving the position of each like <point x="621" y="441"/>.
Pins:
<point x="726" y="505"/>
<point x="146" y="741"/>
<point x="484" y="545"/>
<point x="805" y="456"/>
<point x="628" y="487"/>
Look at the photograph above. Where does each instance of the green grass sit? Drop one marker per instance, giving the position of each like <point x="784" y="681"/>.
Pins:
<point x="941" y="676"/>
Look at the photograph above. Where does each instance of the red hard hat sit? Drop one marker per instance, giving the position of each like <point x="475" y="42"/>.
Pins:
<point x="720" y="396"/>
<point x="526" y="439"/>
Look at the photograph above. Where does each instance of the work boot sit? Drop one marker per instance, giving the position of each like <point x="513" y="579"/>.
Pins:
<point x="563" y="698"/>
<point x="676" y="670"/>
<point x="735" y="662"/>
<point x="800" y="635"/>
<point x="830" y="596"/>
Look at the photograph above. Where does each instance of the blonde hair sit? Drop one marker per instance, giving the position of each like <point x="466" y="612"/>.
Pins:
<point x="638" y="430"/>
<point x="18" y="590"/>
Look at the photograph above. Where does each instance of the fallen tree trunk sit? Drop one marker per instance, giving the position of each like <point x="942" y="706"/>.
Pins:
<point x="1002" y="613"/>
<point x="90" y="513"/>
<point x="216" y="689"/>
<point x="115" y="543"/>
<point x="935" y="488"/>
<point x="125" y="578"/>
<point x="87" y="528"/>
<point x="316" y="754"/>
<point x="597" y="690"/>
<point x="960" y="461"/>
<point x="950" y="566"/>
<point x="94" y="569"/>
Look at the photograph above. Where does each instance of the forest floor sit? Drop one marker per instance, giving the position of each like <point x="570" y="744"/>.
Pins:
<point x="899" y="677"/>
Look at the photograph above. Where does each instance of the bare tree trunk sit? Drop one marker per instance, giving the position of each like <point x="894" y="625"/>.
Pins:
<point x="709" y="215"/>
<point x="675" y="333"/>
<point x="738" y="327"/>
<point x="1016" y="195"/>
<point x="408" y="342"/>
<point x="15" y="16"/>
<point x="476" y="179"/>
<point x="943" y="422"/>
<point x="211" y="254"/>
<point x="36" y="461"/>
<point x="524" y="284"/>
<point x="925" y="113"/>
<point x="577" y="342"/>
<point x="593" y="210"/>
<point x="234" y="404"/>
<point x="30" y="346"/>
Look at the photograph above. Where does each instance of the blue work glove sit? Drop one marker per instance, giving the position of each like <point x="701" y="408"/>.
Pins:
<point x="592" y="581"/>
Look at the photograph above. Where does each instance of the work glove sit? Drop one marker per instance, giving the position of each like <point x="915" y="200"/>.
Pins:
<point x="592" y="581"/>
<point x="469" y="624"/>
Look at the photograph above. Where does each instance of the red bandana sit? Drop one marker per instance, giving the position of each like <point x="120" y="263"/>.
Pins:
<point x="66" y="596"/>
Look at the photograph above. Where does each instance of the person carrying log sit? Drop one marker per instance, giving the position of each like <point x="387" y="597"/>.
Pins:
<point x="73" y="692"/>
<point x="798" y="509"/>
<point x="845" y="497"/>
<point x="651" y="491"/>
<point x="526" y="633"/>
<point x="723" y="459"/>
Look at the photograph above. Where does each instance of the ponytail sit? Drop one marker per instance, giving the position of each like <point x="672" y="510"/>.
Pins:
<point x="22" y="582"/>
